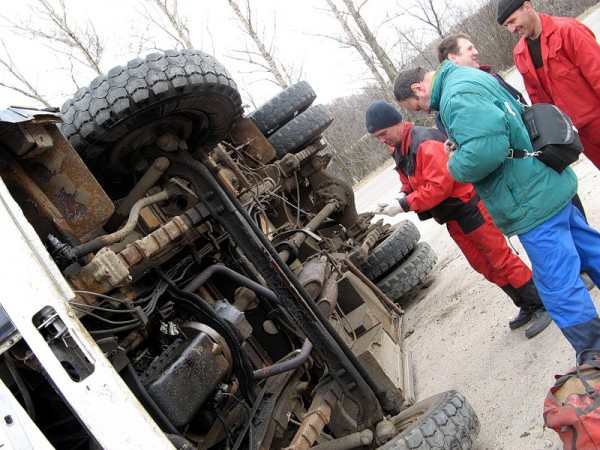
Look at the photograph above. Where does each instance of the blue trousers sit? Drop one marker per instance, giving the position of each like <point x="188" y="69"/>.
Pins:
<point x="559" y="249"/>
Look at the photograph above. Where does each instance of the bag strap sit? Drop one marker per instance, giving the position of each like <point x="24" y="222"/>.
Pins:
<point x="521" y="154"/>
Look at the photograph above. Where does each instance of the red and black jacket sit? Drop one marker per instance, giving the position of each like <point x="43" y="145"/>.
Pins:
<point x="421" y="162"/>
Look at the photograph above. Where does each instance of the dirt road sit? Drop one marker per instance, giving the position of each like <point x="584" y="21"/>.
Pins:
<point x="457" y="332"/>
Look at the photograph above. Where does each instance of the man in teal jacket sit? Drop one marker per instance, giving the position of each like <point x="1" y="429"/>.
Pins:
<point x="524" y="196"/>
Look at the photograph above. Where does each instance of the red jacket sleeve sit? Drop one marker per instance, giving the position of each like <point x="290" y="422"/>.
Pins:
<point x="432" y="181"/>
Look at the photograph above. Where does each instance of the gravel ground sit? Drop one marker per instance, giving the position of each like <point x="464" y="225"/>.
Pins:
<point x="457" y="332"/>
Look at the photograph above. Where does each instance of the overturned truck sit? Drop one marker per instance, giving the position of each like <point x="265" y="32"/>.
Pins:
<point x="179" y="274"/>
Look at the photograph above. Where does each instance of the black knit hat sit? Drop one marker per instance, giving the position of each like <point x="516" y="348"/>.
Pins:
<point x="506" y="8"/>
<point x="380" y="115"/>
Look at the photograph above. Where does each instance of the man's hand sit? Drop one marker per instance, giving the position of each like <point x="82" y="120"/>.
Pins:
<point x="449" y="146"/>
<point x="389" y="209"/>
<point x="393" y="208"/>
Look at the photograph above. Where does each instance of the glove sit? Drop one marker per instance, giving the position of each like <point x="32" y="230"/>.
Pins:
<point x="389" y="209"/>
<point x="395" y="207"/>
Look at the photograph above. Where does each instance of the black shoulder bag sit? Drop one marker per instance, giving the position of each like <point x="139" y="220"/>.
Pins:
<point x="554" y="138"/>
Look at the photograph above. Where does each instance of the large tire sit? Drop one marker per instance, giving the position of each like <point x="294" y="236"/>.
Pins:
<point x="301" y="130"/>
<point x="443" y="422"/>
<point x="392" y="250"/>
<point x="410" y="273"/>
<point x="186" y="93"/>
<point x="283" y="107"/>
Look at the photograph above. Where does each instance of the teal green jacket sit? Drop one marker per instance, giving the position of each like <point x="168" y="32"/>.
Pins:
<point x="484" y="121"/>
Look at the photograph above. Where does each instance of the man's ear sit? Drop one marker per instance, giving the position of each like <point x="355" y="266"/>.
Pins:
<point x="452" y="57"/>
<point x="416" y="87"/>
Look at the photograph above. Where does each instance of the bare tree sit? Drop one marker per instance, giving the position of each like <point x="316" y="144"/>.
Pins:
<point x="371" y="41"/>
<point x="176" y="26"/>
<point x="264" y="57"/>
<point x="23" y="86"/>
<point x="80" y="43"/>
<point x="426" y="12"/>
<point x="352" y="41"/>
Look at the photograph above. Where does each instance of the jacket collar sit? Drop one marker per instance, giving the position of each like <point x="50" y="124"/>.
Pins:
<point x="437" y="82"/>
<point x="548" y="27"/>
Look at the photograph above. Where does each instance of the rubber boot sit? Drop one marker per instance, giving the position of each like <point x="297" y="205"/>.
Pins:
<point x="524" y="315"/>
<point x="584" y="336"/>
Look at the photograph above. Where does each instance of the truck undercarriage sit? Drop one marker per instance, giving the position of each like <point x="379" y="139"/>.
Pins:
<point x="183" y="275"/>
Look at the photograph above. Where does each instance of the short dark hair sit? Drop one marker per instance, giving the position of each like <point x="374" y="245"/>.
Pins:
<point x="405" y="79"/>
<point x="450" y="45"/>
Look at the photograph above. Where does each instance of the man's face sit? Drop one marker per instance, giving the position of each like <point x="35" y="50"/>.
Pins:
<point x="420" y="100"/>
<point x="467" y="56"/>
<point x="391" y="136"/>
<point x="522" y="21"/>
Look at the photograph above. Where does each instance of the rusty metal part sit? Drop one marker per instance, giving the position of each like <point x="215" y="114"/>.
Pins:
<point x="149" y="179"/>
<point x="298" y="239"/>
<point x="380" y="295"/>
<point x="291" y="162"/>
<point x="290" y="364"/>
<point x="373" y="236"/>
<point x="222" y="156"/>
<point x="109" y="270"/>
<point x="117" y="236"/>
<point x="354" y="440"/>
<point x="313" y="148"/>
<point x="258" y="148"/>
<point x="67" y="182"/>
<point x="312" y="276"/>
<point x="318" y="415"/>
<point x="329" y="295"/>
<point x="148" y="245"/>
<point x="40" y="211"/>
<point x="360" y="254"/>
<point x="31" y="137"/>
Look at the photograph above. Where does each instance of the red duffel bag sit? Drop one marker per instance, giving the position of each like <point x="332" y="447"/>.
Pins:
<point x="572" y="406"/>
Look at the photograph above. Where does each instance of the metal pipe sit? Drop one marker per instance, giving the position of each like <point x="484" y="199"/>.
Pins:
<point x="329" y="295"/>
<point x="117" y="236"/>
<point x="354" y="440"/>
<point x="284" y="366"/>
<point x="203" y="276"/>
<point x="316" y="221"/>
<point x="149" y="179"/>
<point x="380" y="295"/>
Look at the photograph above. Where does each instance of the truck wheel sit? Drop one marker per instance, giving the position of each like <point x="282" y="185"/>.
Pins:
<point x="391" y="250"/>
<point x="443" y="422"/>
<point x="301" y="130"/>
<point x="410" y="273"/>
<point x="184" y="97"/>
<point x="283" y="107"/>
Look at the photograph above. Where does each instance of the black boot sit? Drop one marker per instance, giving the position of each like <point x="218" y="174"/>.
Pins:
<point x="539" y="321"/>
<point x="540" y="318"/>
<point x="525" y="314"/>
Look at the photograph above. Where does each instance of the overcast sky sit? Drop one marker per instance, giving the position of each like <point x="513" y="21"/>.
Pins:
<point x="330" y="70"/>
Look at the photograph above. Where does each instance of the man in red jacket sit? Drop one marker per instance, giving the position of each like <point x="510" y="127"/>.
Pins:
<point x="428" y="188"/>
<point x="559" y="60"/>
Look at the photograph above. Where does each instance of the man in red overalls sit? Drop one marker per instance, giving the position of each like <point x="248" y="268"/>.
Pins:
<point x="559" y="60"/>
<point x="428" y="188"/>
